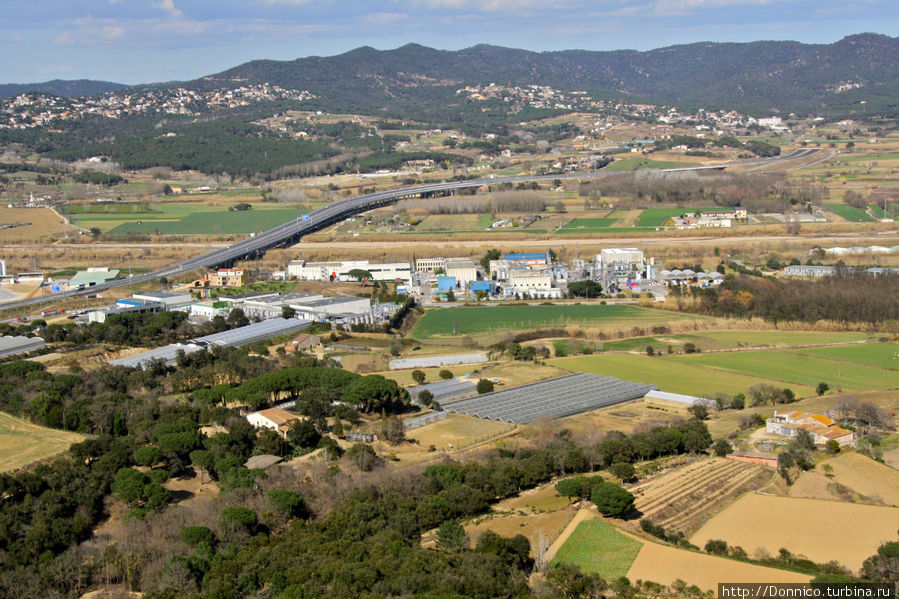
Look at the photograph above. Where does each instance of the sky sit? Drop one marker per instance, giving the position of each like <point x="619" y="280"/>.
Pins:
<point x="143" y="41"/>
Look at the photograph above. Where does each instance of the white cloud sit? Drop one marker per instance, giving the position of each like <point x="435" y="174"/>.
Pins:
<point x="492" y="5"/>
<point x="169" y="7"/>
<point x="55" y="68"/>
<point x="111" y="32"/>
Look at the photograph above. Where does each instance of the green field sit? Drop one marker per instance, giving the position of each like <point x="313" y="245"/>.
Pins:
<point x="877" y="210"/>
<point x="870" y="157"/>
<point x="671" y="374"/>
<point x="855" y="215"/>
<point x="597" y="547"/>
<point x="632" y="164"/>
<point x="732" y="339"/>
<point x="23" y="443"/>
<point x="581" y="224"/>
<point x="447" y="322"/>
<point x="131" y="208"/>
<point x="656" y="217"/>
<point x="484" y="221"/>
<point x="212" y="223"/>
<point x="795" y="368"/>
<point x="883" y="355"/>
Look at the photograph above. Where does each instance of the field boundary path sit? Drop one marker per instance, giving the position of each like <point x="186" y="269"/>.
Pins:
<point x="582" y="515"/>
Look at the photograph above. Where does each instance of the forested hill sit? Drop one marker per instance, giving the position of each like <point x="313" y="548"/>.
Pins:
<point x="59" y="87"/>
<point x="755" y="77"/>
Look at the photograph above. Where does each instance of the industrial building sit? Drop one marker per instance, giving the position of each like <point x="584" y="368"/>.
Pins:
<point x="615" y="268"/>
<point x="10" y="346"/>
<point x="258" y="331"/>
<point x="340" y="271"/>
<point x="169" y="299"/>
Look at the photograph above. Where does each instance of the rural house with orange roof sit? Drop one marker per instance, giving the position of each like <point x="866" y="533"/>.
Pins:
<point x="820" y="427"/>
<point x="277" y="419"/>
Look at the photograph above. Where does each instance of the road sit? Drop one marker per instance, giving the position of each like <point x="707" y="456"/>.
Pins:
<point x="291" y="232"/>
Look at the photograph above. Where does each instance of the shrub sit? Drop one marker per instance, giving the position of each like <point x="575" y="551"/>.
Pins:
<point x="288" y="502"/>
<point x="194" y="535"/>
<point x="716" y="546"/>
<point x="445" y="374"/>
<point x="240" y="515"/>
<point x="485" y="386"/>
<point x="612" y="500"/>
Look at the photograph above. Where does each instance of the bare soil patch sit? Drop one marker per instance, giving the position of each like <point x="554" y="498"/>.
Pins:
<point x="820" y="530"/>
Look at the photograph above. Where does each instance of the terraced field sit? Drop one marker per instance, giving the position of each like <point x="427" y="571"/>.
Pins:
<point x="684" y="499"/>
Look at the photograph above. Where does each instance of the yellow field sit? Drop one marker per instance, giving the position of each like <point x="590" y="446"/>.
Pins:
<point x="43" y="223"/>
<point x="665" y="564"/>
<point x="22" y="443"/>
<point x="820" y="530"/>
<point x="535" y="527"/>
<point x="457" y="431"/>
<point x="862" y="474"/>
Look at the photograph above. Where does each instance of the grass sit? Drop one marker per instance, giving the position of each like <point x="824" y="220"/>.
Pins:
<point x="212" y="223"/>
<point x="632" y="164"/>
<point x="597" y="547"/>
<point x="131" y="208"/>
<point x="854" y="215"/>
<point x="22" y="443"/>
<point x="870" y="157"/>
<point x="589" y="223"/>
<point x="447" y="322"/>
<point x="795" y="368"/>
<point x="878" y="211"/>
<point x="780" y="338"/>
<point x="883" y="355"/>
<point x="484" y="221"/>
<point x="656" y="217"/>
<point x="671" y="374"/>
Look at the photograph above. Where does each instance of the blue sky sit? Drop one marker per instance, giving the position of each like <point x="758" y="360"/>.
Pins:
<point x="136" y="41"/>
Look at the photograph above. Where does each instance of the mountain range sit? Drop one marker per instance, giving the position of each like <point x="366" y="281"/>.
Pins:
<point x="756" y="77"/>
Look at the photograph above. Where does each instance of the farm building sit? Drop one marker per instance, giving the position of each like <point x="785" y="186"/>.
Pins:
<point x="355" y="437"/>
<point x="226" y="277"/>
<point x="445" y="390"/>
<point x="258" y="331"/>
<point x="10" y="346"/>
<point x="433" y="361"/>
<point x="821" y="428"/>
<point x="303" y="342"/>
<point x="553" y="398"/>
<point x="664" y="399"/>
<point x="90" y="277"/>
<point x="169" y="299"/>
<point x="277" y="419"/>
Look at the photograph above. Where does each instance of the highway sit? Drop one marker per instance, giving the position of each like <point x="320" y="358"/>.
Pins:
<point x="290" y="233"/>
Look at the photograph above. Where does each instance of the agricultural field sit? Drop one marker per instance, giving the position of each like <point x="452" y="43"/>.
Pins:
<point x="546" y="526"/>
<point x="212" y="223"/>
<point x="685" y="498"/>
<point x="587" y="224"/>
<point x="42" y="223"/>
<point x="22" y="443"/>
<point x="882" y="355"/>
<point x="796" y="369"/>
<point x="656" y="217"/>
<point x="876" y="481"/>
<point x="452" y="222"/>
<point x="671" y="373"/>
<point x="665" y="564"/>
<point x="715" y="340"/>
<point x="820" y="530"/>
<point x="632" y="164"/>
<point x="849" y="213"/>
<point x="457" y="431"/>
<point x="485" y="321"/>
<point x="597" y="546"/>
